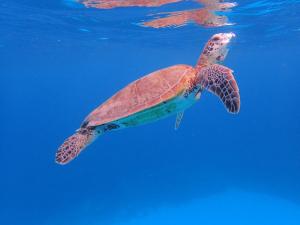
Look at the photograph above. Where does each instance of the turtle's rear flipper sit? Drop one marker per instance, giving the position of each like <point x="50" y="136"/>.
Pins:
<point x="178" y="119"/>
<point x="220" y="81"/>
<point x="74" y="145"/>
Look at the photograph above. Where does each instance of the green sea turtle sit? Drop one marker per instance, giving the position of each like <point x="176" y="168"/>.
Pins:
<point x="157" y="95"/>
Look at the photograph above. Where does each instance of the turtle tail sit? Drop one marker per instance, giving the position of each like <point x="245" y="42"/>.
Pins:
<point x="220" y="81"/>
<point x="74" y="144"/>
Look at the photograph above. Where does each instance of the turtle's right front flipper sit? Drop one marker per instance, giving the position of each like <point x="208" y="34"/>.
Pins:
<point x="219" y="80"/>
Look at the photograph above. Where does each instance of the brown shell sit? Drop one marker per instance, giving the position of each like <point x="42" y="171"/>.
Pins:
<point x="143" y="93"/>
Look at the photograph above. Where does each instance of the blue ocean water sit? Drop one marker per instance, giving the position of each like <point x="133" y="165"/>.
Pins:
<point x="60" y="60"/>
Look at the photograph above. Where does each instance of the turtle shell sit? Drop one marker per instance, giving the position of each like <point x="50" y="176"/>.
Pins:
<point x="144" y="93"/>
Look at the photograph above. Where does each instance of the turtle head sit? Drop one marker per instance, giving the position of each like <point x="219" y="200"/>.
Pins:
<point x="215" y="50"/>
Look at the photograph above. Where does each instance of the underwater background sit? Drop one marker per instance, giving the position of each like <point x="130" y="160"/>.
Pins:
<point x="60" y="59"/>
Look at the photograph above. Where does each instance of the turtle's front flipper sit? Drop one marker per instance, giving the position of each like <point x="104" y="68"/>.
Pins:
<point x="74" y="145"/>
<point x="219" y="80"/>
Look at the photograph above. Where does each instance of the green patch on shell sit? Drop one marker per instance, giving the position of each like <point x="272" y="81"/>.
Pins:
<point x="157" y="112"/>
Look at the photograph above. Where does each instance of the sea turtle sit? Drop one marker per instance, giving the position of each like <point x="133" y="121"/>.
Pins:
<point x="157" y="95"/>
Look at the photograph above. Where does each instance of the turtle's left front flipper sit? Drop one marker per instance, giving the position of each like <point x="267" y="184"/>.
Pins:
<point x="219" y="80"/>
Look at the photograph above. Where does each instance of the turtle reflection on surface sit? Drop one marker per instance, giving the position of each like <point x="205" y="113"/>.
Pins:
<point x="204" y="16"/>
